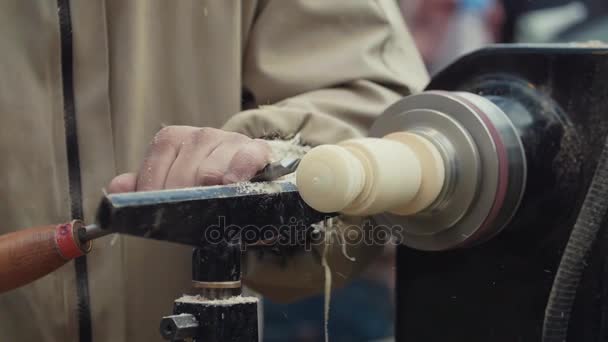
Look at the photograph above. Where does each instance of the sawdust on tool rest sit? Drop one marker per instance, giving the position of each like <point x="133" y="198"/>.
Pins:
<point x="259" y="187"/>
<point x="225" y="301"/>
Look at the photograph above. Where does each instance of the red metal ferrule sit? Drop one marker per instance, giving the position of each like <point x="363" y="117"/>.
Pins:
<point x="67" y="242"/>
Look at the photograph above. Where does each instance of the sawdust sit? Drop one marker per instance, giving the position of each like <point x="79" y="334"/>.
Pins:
<point x="259" y="187"/>
<point x="292" y="148"/>
<point x="225" y="301"/>
<point x="280" y="149"/>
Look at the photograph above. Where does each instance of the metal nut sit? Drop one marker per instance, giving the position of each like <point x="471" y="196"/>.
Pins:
<point x="177" y="327"/>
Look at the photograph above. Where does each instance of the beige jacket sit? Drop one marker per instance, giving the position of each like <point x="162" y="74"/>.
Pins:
<point x="326" y="67"/>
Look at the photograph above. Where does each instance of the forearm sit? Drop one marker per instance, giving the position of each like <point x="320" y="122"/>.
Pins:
<point x="321" y="116"/>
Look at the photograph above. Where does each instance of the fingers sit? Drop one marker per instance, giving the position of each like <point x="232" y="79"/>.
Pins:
<point x="183" y="156"/>
<point x="212" y="169"/>
<point x="122" y="183"/>
<point x="247" y="162"/>
<point x="197" y="147"/>
<point x="159" y="157"/>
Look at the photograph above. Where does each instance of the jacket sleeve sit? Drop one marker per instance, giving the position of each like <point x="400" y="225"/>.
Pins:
<point x="325" y="69"/>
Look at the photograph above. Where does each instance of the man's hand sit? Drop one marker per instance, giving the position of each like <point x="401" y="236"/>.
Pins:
<point x="184" y="156"/>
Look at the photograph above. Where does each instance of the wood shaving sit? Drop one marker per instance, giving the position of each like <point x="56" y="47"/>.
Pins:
<point x="334" y="227"/>
<point x="280" y="149"/>
<point x="331" y="227"/>
<point x="292" y="148"/>
<point x="327" y="298"/>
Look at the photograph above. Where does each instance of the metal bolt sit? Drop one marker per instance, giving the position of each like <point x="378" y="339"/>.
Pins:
<point x="177" y="327"/>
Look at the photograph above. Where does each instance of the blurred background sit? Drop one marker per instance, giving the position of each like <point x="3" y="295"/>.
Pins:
<point x="447" y="29"/>
<point x="443" y="30"/>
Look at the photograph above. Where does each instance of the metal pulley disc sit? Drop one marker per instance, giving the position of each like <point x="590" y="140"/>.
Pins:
<point x="485" y="168"/>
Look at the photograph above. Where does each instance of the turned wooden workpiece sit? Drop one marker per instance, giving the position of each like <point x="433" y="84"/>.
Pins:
<point x="402" y="173"/>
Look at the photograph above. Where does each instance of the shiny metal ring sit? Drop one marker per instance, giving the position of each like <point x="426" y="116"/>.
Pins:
<point x="217" y="284"/>
<point x="485" y="159"/>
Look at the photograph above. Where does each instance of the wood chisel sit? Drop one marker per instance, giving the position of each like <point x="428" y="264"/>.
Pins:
<point x="180" y="215"/>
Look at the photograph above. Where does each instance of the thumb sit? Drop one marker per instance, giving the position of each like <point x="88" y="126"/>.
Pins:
<point x="123" y="183"/>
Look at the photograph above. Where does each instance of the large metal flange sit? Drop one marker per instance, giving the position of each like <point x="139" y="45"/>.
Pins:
<point x="485" y="168"/>
<point x="512" y="164"/>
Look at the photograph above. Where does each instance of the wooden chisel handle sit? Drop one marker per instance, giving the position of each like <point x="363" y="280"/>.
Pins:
<point x="32" y="253"/>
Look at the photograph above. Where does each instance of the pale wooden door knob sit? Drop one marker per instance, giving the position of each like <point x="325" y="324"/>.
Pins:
<point x="400" y="174"/>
